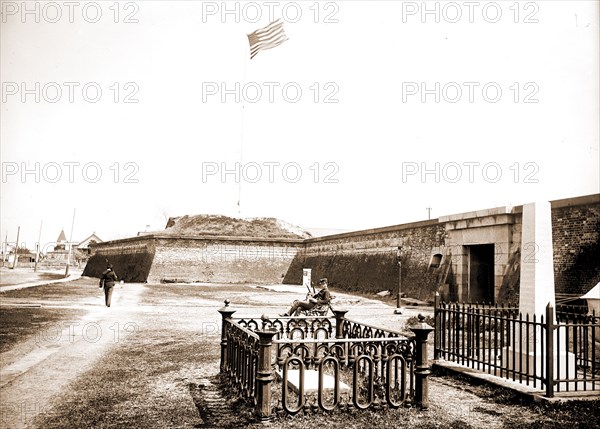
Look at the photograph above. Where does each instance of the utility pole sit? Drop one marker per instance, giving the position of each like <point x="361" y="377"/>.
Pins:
<point x="70" y="245"/>
<point x="428" y="212"/>
<point x="16" y="249"/>
<point x="4" y="247"/>
<point x="37" y="252"/>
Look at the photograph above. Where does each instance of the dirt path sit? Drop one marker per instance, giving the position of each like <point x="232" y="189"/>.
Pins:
<point x="60" y="354"/>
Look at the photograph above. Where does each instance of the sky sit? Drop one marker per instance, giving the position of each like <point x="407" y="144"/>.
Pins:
<point x="116" y="116"/>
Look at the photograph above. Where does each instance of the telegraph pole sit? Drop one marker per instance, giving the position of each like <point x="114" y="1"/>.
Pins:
<point x="16" y="249"/>
<point x="428" y="212"/>
<point x="5" y="248"/>
<point x="70" y="245"/>
<point x="37" y="252"/>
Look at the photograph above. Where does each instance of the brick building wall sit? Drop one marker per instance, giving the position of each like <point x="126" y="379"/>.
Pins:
<point x="576" y="243"/>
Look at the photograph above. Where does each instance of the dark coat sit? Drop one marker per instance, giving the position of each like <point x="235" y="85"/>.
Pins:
<point x="323" y="296"/>
<point x="109" y="278"/>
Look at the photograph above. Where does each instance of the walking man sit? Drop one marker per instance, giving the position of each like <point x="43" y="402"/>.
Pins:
<point x="108" y="280"/>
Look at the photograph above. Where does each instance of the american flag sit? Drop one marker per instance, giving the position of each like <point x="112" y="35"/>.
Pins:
<point x="266" y="38"/>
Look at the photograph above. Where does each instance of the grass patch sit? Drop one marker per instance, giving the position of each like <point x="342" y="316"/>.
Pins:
<point x="18" y="275"/>
<point x="51" y="276"/>
<point x="524" y="413"/>
<point x="142" y="382"/>
<point x="81" y="288"/>
<point x="20" y="323"/>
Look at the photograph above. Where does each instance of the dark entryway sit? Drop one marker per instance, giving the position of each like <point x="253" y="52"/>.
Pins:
<point x="481" y="273"/>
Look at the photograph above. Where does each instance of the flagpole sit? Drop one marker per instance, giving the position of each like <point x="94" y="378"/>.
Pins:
<point x="264" y="38"/>
<point x="239" y="202"/>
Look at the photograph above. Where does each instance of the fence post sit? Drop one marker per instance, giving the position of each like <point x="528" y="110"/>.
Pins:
<point x="549" y="351"/>
<point x="226" y="313"/>
<point x="437" y="326"/>
<point x="264" y="373"/>
<point x="422" y="370"/>
<point x="339" y="322"/>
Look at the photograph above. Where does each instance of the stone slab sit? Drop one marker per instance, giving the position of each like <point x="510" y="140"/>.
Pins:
<point x="311" y="381"/>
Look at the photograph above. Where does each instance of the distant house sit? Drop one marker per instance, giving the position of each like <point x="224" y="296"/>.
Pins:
<point x="61" y="242"/>
<point x="60" y="251"/>
<point x="84" y="246"/>
<point x="81" y="251"/>
<point x="27" y="256"/>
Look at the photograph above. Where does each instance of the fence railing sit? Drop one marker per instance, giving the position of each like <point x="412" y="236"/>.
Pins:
<point x="555" y="353"/>
<point x="288" y="365"/>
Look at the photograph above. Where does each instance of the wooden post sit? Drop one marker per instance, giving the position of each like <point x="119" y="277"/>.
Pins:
<point x="226" y="313"/>
<point x="422" y="370"/>
<point x="549" y="351"/>
<point x="264" y="374"/>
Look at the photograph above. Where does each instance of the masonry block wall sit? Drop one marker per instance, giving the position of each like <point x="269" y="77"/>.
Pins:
<point x="222" y="260"/>
<point x="131" y="259"/>
<point x="367" y="261"/>
<point x="576" y="243"/>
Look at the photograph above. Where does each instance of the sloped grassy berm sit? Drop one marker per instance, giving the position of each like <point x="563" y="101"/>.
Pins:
<point x="265" y="227"/>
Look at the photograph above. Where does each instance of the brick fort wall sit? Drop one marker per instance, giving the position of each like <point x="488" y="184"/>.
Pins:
<point x="367" y="261"/>
<point x="363" y="261"/>
<point x="222" y="260"/>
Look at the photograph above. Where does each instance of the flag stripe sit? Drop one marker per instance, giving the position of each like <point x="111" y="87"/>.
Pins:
<point x="266" y="38"/>
<point x="267" y="45"/>
<point x="273" y="33"/>
<point x="274" y="24"/>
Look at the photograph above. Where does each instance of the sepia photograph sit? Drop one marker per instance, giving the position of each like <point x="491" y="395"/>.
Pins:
<point x="289" y="214"/>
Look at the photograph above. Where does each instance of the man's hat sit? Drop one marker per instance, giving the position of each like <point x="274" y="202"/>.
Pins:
<point x="323" y="281"/>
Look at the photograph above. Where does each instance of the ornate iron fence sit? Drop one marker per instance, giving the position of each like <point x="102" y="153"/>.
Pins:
<point x="561" y="356"/>
<point x="307" y="364"/>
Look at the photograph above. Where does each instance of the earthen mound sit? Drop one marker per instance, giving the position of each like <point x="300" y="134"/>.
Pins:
<point x="264" y="227"/>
